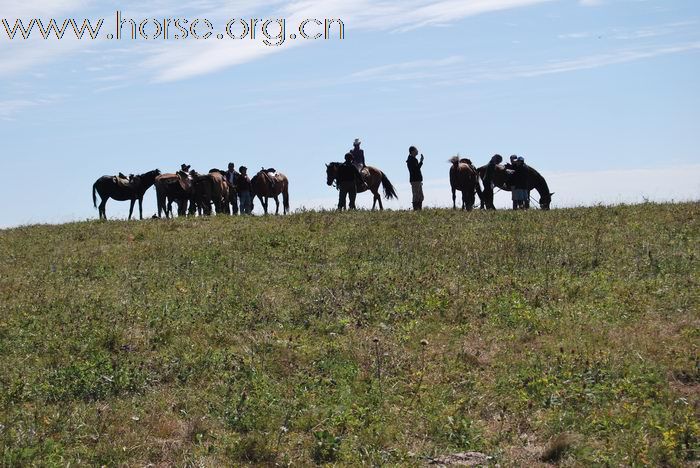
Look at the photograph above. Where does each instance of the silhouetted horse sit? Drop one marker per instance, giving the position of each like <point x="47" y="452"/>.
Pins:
<point x="464" y="177"/>
<point x="262" y="187"/>
<point x="372" y="177"/>
<point x="109" y="187"/>
<point x="535" y="182"/>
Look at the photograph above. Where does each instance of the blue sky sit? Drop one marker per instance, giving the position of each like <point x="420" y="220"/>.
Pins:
<point x="602" y="97"/>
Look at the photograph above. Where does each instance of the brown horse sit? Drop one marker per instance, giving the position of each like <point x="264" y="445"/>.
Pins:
<point x="372" y="177"/>
<point x="219" y="191"/>
<point x="171" y="188"/>
<point x="109" y="187"/>
<point x="262" y="187"/>
<point x="464" y="177"/>
<point x="535" y="182"/>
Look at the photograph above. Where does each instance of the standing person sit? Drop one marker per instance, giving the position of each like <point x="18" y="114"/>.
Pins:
<point x="488" y="180"/>
<point x="521" y="192"/>
<point x="243" y="188"/>
<point x="348" y="178"/>
<point x="358" y="155"/>
<point x="231" y="178"/>
<point x="415" y="177"/>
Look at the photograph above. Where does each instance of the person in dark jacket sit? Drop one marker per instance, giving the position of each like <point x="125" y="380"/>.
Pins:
<point x="488" y="180"/>
<point x="231" y="178"/>
<point x="521" y="186"/>
<point x="415" y="177"/>
<point x="348" y="178"/>
<point x="358" y="155"/>
<point x="244" y="188"/>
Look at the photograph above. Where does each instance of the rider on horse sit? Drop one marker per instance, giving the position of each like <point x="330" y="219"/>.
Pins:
<point x="358" y="155"/>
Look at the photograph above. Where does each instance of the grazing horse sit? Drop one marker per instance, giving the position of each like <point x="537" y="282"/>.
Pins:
<point x="464" y="177"/>
<point x="535" y="179"/>
<point x="372" y="177"/>
<point x="171" y="188"/>
<point x="109" y="187"/>
<point x="261" y="185"/>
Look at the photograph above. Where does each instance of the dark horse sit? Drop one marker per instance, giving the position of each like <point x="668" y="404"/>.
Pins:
<point x="464" y="177"/>
<point x="535" y="182"/>
<point x="262" y="187"/>
<point x="373" y="178"/>
<point x="109" y="187"/>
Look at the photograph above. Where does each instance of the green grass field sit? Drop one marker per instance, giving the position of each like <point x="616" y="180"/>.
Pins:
<point x="570" y="337"/>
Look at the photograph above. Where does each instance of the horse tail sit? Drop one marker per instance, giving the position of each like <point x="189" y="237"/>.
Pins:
<point x="285" y="199"/>
<point x="94" y="196"/>
<point x="389" y="190"/>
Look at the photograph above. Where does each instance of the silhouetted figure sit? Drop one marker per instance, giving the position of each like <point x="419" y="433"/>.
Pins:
<point x="488" y="181"/>
<point x="232" y="178"/>
<point x="521" y="193"/>
<point x="415" y="177"/>
<point x="358" y="155"/>
<point x="243" y="188"/>
<point x="348" y="178"/>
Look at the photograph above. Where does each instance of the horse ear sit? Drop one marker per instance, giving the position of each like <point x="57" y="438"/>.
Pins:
<point x="551" y="194"/>
<point x="327" y="165"/>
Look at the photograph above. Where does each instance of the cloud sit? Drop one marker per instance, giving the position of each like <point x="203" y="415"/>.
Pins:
<point x="27" y="9"/>
<point x="9" y="108"/>
<point x="602" y="60"/>
<point x="434" y="71"/>
<point x="172" y="62"/>
<point x="645" y="32"/>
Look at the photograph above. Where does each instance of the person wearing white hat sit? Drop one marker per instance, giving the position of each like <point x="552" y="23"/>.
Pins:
<point x="358" y="155"/>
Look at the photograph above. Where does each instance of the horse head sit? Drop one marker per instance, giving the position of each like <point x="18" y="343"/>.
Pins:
<point x="546" y="200"/>
<point x="331" y="173"/>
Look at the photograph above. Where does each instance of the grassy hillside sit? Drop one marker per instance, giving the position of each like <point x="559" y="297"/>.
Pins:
<point x="321" y="338"/>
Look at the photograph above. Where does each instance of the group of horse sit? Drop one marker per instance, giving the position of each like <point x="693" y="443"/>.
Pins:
<point x="196" y="193"/>
<point x="192" y="192"/>
<point x="465" y="177"/>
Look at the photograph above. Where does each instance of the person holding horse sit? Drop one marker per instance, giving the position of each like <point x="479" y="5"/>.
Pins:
<point x="415" y="177"/>
<point x="521" y="186"/>
<point x="348" y="179"/>
<point x="488" y="180"/>
<point x="243" y="187"/>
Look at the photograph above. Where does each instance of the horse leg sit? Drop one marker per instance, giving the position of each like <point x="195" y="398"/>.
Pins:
<point x="379" y="199"/>
<point x="131" y="208"/>
<point x="454" y="198"/>
<point x="103" y="208"/>
<point x="277" y="202"/>
<point x="141" y="208"/>
<point x="469" y="201"/>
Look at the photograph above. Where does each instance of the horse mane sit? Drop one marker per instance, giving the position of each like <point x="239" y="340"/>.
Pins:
<point x="454" y="160"/>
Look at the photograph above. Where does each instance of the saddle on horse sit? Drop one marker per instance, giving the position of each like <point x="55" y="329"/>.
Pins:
<point x="270" y="175"/>
<point x="363" y="184"/>
<point x="186" y="180"/>
<point x="123" y="181"/>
